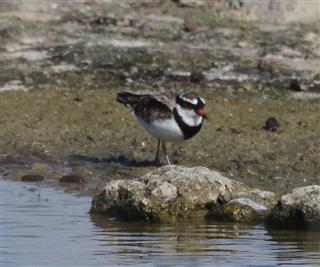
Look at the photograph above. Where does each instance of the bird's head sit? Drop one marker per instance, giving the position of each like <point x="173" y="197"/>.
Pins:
<point x="190" y="107"/>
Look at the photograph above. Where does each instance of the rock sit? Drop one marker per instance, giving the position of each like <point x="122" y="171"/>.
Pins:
<point x="244" y="44"/>
<point x="63" y="68"/>
<point x="166" y="194"/>
<point x="227" y="72"/>
<point x="190" y="25"/>
<point x="301" y="209"/>
<point x="265" y="63"/>
<point x="314" y="81"/>
<point x="248" y="202"/>
<point x="28" y="54"/>
<point x="235" y="212"/>
<point x="180" y="76"/>
<point x="297" y="86"/>
<point x="265" y="198"/>
<point x="190" y="3"/>
<point x="106" y="20"/>
<point x="310" y="37"/>
<point x="164" y="19"/>
<point x="196" y="76"/>
<point x="271" y="124"/>
<point x="14" y="85"/>
<point x="289" y="52"/>
<point x="33" y="189"/>
<point x="72" y="179"/>
<point x="271" y="11"/>
<point x="32" y="178"/>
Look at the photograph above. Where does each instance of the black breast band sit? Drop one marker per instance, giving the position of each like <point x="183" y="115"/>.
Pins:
<point x="188" y="131"/>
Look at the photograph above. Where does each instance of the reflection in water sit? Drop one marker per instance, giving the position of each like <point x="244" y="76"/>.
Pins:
<point x="303" y="246"/>
<point x="43" y="226"/>
<point x="183" y="238"/>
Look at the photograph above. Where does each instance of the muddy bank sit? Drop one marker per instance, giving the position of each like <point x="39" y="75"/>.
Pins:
<point x="62" y="67"/>
<point x="96" y="137"/>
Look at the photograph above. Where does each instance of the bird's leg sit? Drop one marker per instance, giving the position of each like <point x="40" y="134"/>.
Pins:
<point x="156" y="160"/>
<point x="164" y="149"/>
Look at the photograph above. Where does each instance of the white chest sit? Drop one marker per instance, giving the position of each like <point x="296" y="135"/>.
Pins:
<point x="166" y="130"/>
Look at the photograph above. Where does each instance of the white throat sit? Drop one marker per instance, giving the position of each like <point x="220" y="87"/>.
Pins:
<point x="189" y="116"/>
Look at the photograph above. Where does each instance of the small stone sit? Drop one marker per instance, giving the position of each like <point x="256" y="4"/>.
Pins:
<point x="33" y="189"/>
<point x="243" y="44"/>
<point x="289" y="52"/>
<point x="63" y="68"/>
<point x="104" y="21"/>
<point x="297" y="86"/>
<point x="196" y="76"/>
<point x="266" y="198"/>
<point x="235" y="131"/>
<point x="127" y="30"/>
<point x="190" y="25"/>
<point x="248" y="202"/>
<point x="265" y="64"/>
<point x="191" y="3"/>
<point x="247" y="86"/>
<point x="72" y="179"/>
<point x="15" y="85"/>
<point x="271" y="124"/>
<point x="32" y="178"/>
<point x="180" y="76"/>
<point x="77" y="99"/>
<point x="235" y="212"/>
<point x="310" y="36"/>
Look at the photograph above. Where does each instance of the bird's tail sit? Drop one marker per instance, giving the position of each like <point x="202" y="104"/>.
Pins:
<point x="126" y="98"/>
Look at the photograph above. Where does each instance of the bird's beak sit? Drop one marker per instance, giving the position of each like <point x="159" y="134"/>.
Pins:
<point x="200" y="112"/>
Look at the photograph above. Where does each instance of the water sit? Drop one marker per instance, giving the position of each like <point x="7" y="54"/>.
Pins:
<point x="45" y="226"/>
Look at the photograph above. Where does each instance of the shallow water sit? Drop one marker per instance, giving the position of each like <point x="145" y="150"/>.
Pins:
<point x="45" y="226"/>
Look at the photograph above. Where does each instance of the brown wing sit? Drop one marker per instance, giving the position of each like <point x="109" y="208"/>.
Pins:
<point x="147" y="107"/>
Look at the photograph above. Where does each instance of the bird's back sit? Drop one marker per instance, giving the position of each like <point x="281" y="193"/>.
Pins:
<point x="147" y="107"/>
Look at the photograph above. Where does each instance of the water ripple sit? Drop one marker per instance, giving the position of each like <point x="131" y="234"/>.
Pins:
<point x="61" y="232"/>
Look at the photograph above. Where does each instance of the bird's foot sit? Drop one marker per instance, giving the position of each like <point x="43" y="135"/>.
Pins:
<point x="168" y="160"/>
<point x="156" y="162"/>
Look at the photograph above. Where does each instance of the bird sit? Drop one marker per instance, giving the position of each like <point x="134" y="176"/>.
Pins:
<point x="168" y="118"/>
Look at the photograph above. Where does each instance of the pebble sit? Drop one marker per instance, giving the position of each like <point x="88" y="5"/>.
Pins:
<point x="64" y="67"/>
<point x="297" y="86"/>
<point x="191" y="3"/>
<point x="196" y="76"/>
<point x="179" y="76"/>
<point x="265" y="64"/>
<point x="190" y="25"/>
<point x="14" y="85"/>
<point x="76" y="179"/>
<point x="32" y="178"/>
<point x="243" y="44"/>
<point x="271" y="124"/>
<point x="310" y="37"/>
<point x="289" y="52"/>
<point x="248" y="202"/>
<point x="235" y="212"/>
<point x="104" y="21"/>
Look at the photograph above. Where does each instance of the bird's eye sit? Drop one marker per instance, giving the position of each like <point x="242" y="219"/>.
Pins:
<point x="185" y="104"/>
